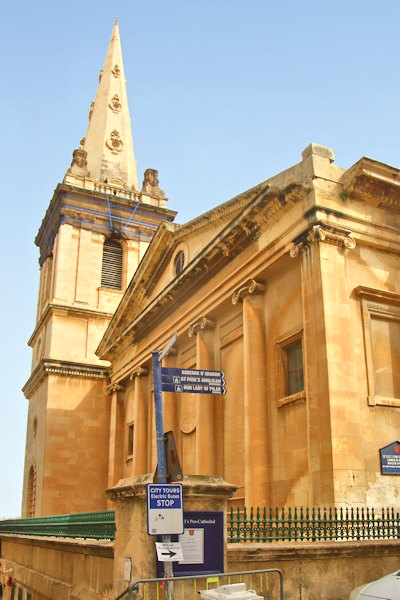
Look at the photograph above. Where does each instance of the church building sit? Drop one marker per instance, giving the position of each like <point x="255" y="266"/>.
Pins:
<point x="291" y="289"/>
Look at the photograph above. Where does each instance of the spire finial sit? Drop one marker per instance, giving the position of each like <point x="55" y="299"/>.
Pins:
<point x="108" y="139"/>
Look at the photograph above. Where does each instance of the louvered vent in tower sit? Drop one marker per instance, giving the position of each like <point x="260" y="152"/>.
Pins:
<point x="111" y="271"/>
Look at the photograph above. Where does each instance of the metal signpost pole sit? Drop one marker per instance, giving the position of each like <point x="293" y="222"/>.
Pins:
<point x="167" y="498"/>
<point x="161" y="454"/>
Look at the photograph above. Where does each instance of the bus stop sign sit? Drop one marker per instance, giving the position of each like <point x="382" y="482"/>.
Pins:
<point x="164" y="508"/>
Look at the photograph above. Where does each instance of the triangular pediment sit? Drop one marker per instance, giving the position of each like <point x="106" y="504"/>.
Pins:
<point x="208" y="243"/>
<point x="278" y="216"/>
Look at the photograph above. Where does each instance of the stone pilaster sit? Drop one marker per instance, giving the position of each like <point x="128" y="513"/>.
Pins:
<point x="205" y="408"/>
<point x="117" y="434"/>
<point x="140" y="419"/>
<point x="256" y="422"/>
<point x="334" y="452"/>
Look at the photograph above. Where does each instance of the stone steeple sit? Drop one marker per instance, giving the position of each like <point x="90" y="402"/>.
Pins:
<point x="106" y="154"/>
<point x="93" y="236"/>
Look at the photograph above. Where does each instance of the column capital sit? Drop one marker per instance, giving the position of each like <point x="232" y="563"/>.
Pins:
<point x="202" y="323"/>
<point x="114" y="387"/>
<point x="139" y="372"/>
<point x="250" y="287"/>
<point x="317" y="233"/>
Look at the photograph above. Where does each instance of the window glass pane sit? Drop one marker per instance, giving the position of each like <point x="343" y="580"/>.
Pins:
<point x="131" y="433"/>
<point x="179" y="262"/>
<point x="295" y="379"/>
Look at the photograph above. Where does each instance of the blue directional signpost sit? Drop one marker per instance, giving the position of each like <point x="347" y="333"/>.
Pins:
<point x="165" y="511"/>
<point x="192" y="381"/>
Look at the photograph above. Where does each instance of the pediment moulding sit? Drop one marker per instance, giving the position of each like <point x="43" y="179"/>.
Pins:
<point x="377" y="298"/>
<point x="227" y="244"/>
<point x="200" y="324"/>
<point x="257" y="211"/>
<point x="238" y="203"/>
<point x="251" y="287"/>
<point x="317" y="233"/>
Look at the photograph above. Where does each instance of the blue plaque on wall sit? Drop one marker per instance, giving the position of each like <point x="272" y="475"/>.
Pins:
<point x="390" y="459"/>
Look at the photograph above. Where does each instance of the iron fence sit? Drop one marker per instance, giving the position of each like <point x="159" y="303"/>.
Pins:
<point x="93" y="525"/>
<point x="243" y="525"/>
<point x="312" y="524"/>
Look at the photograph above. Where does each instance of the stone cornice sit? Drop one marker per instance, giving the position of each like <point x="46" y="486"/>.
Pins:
<point x="193" y="486"/>
<point x="374" y="183"/>
<point x="48" y="366"/>
<point x="377" y="296"/>
<point x="91" y="210"/>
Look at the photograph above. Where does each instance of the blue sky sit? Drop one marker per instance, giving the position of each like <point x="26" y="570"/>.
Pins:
<point x="223" y="95"/>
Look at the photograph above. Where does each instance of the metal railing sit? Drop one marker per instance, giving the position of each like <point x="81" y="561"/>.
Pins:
<point x="93" y="525"/>
<point x="312" y="524"/>
<point x="188" y="588"/>
<point x="243" y="525"/>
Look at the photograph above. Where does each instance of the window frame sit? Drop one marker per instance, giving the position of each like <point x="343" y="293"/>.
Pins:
<point x="281" y="367"/>
<point x="179" y="262"/>
<point x="106" y="278"/>
<point x="130" y="440"/>
<point x="382" y="305"/>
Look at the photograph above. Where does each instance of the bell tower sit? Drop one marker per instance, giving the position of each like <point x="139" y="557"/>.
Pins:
<point x="94" y="233"/>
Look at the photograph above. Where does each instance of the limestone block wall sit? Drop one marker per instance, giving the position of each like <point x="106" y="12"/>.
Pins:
<point x="63" y="569"/>
<point x="328" y="570"/>
<point x="71" y="569"/>
<point x="68" y="439"/>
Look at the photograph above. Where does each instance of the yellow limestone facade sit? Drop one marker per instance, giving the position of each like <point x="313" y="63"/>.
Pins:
<point x="292" y="289"/>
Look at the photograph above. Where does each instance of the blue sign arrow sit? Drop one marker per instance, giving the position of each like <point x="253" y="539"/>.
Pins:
<point x="192" y="381"/>
<point x="185" y="388"/>
<point x="203" y="373"/>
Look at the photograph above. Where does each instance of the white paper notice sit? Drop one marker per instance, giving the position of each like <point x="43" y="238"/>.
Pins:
<point x="192" y="542"/>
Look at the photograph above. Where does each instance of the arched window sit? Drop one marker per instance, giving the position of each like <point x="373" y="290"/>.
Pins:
<point x="111" y="270"/>
<point x="179" y="262"/>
